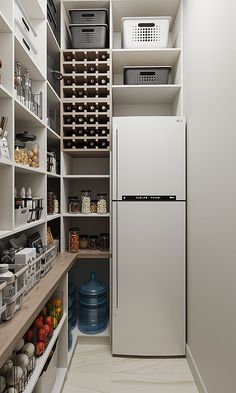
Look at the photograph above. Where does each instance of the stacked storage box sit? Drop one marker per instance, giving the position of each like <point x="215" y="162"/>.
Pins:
<point x="89" y="28"/>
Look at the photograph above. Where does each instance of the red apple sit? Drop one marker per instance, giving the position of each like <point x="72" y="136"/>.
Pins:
<point x="47" y="329"/>
<point x="48" y="321"/>
<point x="38" y="323"/>
<point x="41" y="334"/>
<point x="43" y="312"/>
<point x="29" y="335"/>
<point x="39" y="348"/>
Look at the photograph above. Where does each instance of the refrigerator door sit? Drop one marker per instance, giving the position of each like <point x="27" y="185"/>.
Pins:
<point x="148" y="156"/>
<point x="148" y="278"/>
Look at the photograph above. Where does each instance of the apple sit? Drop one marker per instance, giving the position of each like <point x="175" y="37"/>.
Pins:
<point x="29" y="335"/>
<point x="43" y="312"/>
<point x="48" y="321"/>
<point x="38" y="323"/>
<point x="41" y="334"/>
<point x="40" y="348"/>
<point x="46" y="329"/>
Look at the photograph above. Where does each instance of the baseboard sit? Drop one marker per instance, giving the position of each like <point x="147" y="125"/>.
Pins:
<point x="196" y="374"/>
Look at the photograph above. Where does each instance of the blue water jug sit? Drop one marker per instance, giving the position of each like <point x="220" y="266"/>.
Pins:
<point x="92" y="306"/>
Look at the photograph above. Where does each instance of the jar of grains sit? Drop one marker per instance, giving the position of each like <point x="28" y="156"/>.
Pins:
<point x="102" y="204"/>
<point x="104" y="242"/>
<point x="86" y="202"/>
<point x="21" y="154"/>
<point x="93" y="206"/>
<point x="83" y="241"/>
<point x="93" y="242"/>
<point x="74" y="240"/>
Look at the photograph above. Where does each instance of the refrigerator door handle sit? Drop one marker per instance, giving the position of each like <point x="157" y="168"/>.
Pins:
<point x="115" y="164"/>
<point x="115" y="259"/>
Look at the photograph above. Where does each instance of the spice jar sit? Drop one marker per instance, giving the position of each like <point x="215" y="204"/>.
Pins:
<point x="104" y="242"/>
<point x="83" y="241"/>
<point x="85" y="202"/>
<point x="102" y="204"/>
<point x="21" y="154"/>
<point x="50" y="202"/>
<point x="93" y="206"/>
<point x="73" y="205"/>
<point x="32" y="147"/>
<point x="74" y="240"/>
<point x="93" y="242"/>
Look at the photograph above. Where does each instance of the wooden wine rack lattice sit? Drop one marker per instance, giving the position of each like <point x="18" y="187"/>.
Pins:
<point x="86" y="106"/>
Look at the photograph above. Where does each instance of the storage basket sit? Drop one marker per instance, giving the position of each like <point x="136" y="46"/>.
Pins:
<point x="146" y="75"/>
<point x="89" y="16"/>
<point x="89" y="37"/>
<point x="22" y="216"/>
<point x="149" y="32"/>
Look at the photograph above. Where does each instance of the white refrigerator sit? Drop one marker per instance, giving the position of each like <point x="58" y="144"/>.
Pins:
<point x="148" y="237"/>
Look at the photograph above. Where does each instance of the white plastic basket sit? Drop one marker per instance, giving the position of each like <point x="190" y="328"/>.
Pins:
<point x="149" y="32"/>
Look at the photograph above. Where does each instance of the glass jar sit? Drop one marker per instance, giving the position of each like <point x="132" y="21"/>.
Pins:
<point x="86" y="202"/>
<point x="32" y="147"/>
<point x="73" y="205"/>
<point x="74" y="240"/>
<point x="50" y="202"/>
<point x="93" y="206"/>
<point x="83" y="242"/>
<point x="49" y="237"/>
<point x="51" y="162"/>
<point x="56" y="205"/>
<point x="21" y="154"/>
<point x="104" y="242"/>
<point x="102" y="204"/>
<point x="93" y="242"/>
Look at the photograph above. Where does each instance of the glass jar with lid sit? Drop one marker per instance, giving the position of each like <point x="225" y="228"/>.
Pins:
<point x="93" y="242"/>
<point x="74" y="240"/>
<point x="51" y="197"/>
<point x="32" y="147"/>
<point x="104" y="242"/>
<point x="93" y="206"/>
<point x="21" y="153"/>
<point x="86" y="201"/>
<point x="102" y="204"/>
<point x="83" y="241"/>
<point x="73" y="205"/>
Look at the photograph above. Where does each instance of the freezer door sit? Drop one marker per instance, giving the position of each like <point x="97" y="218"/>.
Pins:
<point x="148" y="278"/>
<point x="148" y="156"/>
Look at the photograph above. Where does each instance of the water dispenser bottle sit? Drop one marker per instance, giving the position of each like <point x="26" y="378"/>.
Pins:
<point x="92" y="306"/>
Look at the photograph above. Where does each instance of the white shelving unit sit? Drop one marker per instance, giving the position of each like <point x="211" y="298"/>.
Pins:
<point x="88" y="169"/>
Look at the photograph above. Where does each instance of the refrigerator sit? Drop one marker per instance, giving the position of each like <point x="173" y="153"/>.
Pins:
<point x="148" y="236"/>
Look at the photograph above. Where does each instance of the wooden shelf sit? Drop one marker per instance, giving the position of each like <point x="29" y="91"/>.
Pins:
<point x="27" y="169"/>
<point x="21" y="228"/>
<point x="32" y="304"/>
<point x="26" y="116"/>
<point x="144" y="95"/>
<point x="52" y="135"/>
<point x="91" y="215"/>
<point x="89" y="153"/>
<point x="51" y="217"/>
<point x="40" y="361"/>
<point x="96" y="254"/>
<point x="86" y="176"/>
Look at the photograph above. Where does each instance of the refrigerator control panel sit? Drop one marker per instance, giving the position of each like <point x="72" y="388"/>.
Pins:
<point x="148" y="198"/>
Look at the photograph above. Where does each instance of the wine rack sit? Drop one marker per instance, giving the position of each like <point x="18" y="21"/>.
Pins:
<point x="86" y="110"/>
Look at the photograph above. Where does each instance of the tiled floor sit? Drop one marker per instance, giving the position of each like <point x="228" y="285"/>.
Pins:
<point x="94" y="370"/>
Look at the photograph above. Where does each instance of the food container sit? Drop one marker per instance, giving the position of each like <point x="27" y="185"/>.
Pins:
<point x="51" y="162"/>
<point x="89" y="37"/>
<point x="89" y="16"/>
<point x="93" y="242"/>
<point x="32" y="147"/>
<point x="50" y="202"/>
<point x="74" y="205"/>
<point x="145" y="32"/>
<point x="102" y="204"/>
<point x="104" y="242"/>
<point x="21" y="153"/>
<point x="146" y="75"/>
<point x="49" y="237"/>
<point x="86" y="201"/>
<point x="83" y="241"/>
<point x="93" y="206"/>
<point x="74" y="240"/>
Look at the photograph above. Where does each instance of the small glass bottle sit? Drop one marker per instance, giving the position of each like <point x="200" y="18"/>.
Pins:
<point x="19" y="84"/>
<point x="74" y="240"/>
<point x="28" y="89"/>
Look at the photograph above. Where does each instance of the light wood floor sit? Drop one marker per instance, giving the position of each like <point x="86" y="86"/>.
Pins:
<point x="94" y="370"/>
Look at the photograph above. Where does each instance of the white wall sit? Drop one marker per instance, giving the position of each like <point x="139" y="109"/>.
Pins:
<point x="210" y="106"/>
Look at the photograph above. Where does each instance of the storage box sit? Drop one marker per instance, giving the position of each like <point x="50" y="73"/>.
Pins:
<point x="22" y="216"/>
<point x="25" y="25"/>
<point x="48" y="377"/>
<point x="88" y="16"/>
<point x="149" y="32"/>
<point x="146" y="75"/>
<point x="26" y="256"/>
<point x="89" y="37"/>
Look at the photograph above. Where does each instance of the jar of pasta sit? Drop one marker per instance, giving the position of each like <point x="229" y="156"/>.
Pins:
<point x="74" y="240"/>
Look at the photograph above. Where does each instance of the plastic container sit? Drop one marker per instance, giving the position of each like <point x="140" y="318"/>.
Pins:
<point x="74" y="240"/>
<point x="89" y="16"/>
<point x="104" y="242"/>
<point x="146" y="75"/>
<point x="92" y="317"/>
<point x="93" y="242"/>
<point x="89" y="37"/>
<point x="145" y="32"/>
